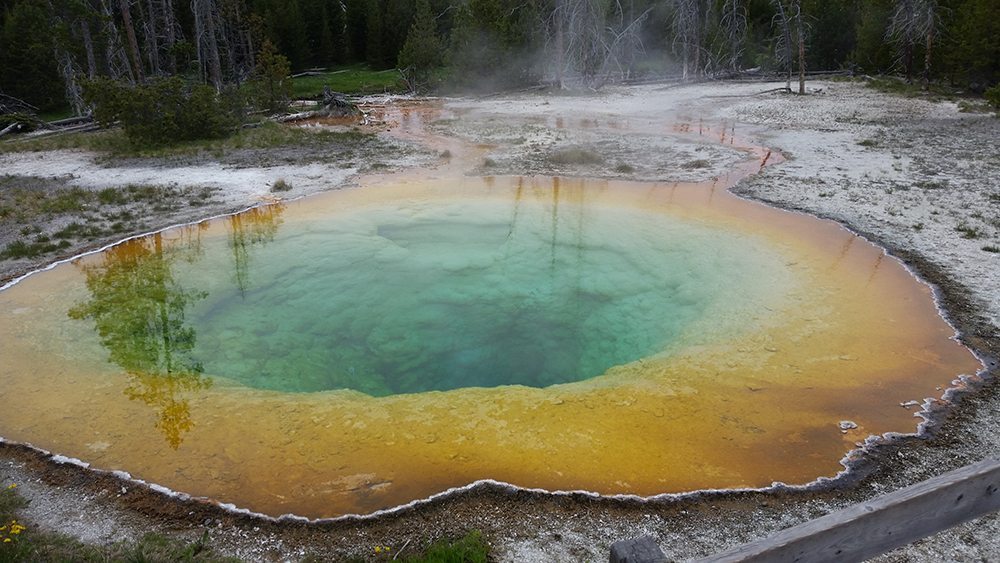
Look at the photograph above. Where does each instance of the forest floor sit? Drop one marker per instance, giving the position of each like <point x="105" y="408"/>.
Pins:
<point x="919" y="177"/>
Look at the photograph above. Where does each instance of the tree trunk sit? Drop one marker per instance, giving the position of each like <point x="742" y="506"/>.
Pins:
<point x="74" y="94"/>
<point x="207" y="41"/>
<point x="114" y="58"/>
<point x="927" y="57"/>
<point x="786" y="42"/>
<point x="170" y="35"/>
<point x="88" y="48"/>
<point x="802" y="46"/>
<point x="560" y="43"/>
<point x="152" y="31"/>
<point x="133" y="45"/>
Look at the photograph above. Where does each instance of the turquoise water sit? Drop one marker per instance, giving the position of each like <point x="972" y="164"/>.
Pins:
<point x="424" y="293"/>
<point x="417" y="296"/>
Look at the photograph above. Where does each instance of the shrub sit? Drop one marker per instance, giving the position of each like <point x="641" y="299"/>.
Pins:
<point x="270" y="85"/>
<point x="280" y="185"/>
<point x="993" y="98"/>
<point x="164" y="111"/>
<point x="575" y="155"/>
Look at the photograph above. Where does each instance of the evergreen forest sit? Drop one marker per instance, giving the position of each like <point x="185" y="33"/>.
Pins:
<point x="50" y="50"/>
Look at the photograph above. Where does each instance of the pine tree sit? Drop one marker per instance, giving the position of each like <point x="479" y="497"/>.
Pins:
<point x="374" y="30"/>
<point x="337" y="25"/>
<point x="271" y="78"/>
<point x="28" y="68"/>
<point x="421" y="52"/>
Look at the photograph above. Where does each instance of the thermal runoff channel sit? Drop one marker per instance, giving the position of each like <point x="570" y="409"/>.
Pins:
<point x="365" y="348"/>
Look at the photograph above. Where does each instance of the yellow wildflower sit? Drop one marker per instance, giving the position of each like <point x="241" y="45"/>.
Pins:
<point x="6" y="540"/>
<point x="12" y="486"/>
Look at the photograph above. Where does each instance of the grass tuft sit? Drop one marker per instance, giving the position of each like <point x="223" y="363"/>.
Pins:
<point x="695" y="164"/>
<point x="969" y="232"/>
<point x="470" y="549"/>
<point x="574" y="155"/>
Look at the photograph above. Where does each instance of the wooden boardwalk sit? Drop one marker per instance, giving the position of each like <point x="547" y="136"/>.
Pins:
<point x="868" y="529"/>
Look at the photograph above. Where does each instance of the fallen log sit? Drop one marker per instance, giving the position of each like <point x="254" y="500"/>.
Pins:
<point x="10" y="104"/>
<point x="71" y="121"/>
<point x="298" y="116"/>
<point x="12" y="128"/>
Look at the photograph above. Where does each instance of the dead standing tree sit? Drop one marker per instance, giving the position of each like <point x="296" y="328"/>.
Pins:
<point x="734" y="27"/>
<point x="160" y="32"/>
<point x="687" y="27"/>
<point x="237" y="39"/>
<point x="788" y="18"/>
<point x="913" y="22"/>
<point x="133" y="44"/>
<point x="207" y="40"/>
<point x="585" y="47"/>
<point x="624" y="41"/>
<point x="577" y="26"/>
<point x="62" y="28"/>
<point x="117" y="61"/>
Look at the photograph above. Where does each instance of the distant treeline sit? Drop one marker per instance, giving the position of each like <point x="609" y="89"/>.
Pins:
<point x="48" y="48"/>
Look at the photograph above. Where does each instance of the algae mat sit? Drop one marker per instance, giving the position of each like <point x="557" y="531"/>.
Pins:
<point x="365" y="348"/>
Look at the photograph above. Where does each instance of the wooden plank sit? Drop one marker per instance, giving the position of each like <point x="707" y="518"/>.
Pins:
<point x="864" y="530"/>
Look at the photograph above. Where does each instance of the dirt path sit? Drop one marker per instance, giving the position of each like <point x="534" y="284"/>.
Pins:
<point x="920" y="178"/>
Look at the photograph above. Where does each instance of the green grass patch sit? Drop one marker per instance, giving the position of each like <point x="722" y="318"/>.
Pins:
<point x="114" y="144"/>
<point x="935" y="92"/>
<point x="20" y="542"/>
<point x="696" y="164"/>
<point x="22" y="205"/>
<point x="56" y="114"/>
<point x="470" y="549"/>
<point x="54" y="216"/>
<point x="893" y="85"/>
<point x="28" y="544"/>
<point x="969" y="232"/>
<point x="354" y="79"/>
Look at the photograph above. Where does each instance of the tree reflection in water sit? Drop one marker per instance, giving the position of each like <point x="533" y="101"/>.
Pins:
<point x="253" y="227"/>
<point x="138" y="310"/>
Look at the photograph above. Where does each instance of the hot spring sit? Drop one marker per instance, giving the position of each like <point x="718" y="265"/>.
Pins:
<point x="365" y="348"/>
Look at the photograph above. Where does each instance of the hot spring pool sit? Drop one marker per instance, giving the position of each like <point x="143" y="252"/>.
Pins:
<point x="364" y="348"/>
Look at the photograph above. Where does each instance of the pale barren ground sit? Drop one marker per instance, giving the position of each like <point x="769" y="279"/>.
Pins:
<point x="920" y="178"/>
